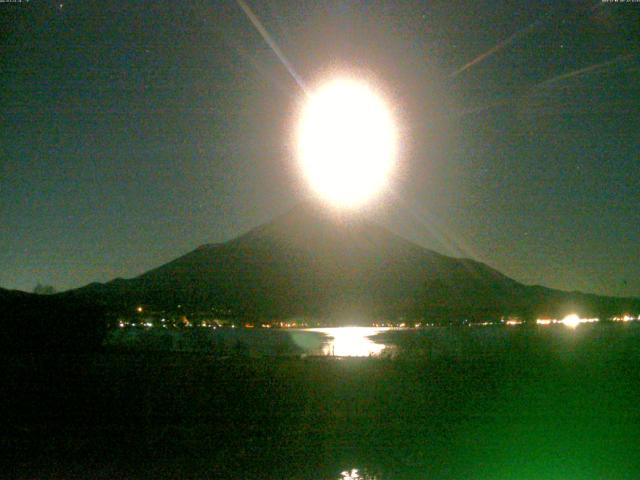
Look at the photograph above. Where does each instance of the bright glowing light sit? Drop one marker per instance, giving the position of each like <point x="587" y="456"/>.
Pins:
<point x="351" y="341"/>
<point x="351" y="475"/>
<point x="574" y="320"/>
<point x="346" y="142"/>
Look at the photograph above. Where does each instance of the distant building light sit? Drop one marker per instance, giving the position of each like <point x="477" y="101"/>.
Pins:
<point x="624" y="318"/>
<point x="139" y="309"/>
<point x="574" y="320"/>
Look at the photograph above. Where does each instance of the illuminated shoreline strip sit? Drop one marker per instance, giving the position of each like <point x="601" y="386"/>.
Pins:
<point x="572" y="321"/>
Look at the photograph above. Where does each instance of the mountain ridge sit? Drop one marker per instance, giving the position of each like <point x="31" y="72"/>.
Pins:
<point x="316" y="262"/>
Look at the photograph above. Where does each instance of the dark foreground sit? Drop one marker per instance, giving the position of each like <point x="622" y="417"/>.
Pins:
<point x="538" y="408"/>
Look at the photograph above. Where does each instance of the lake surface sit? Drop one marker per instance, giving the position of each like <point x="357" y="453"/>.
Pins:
<point x="494" y="403"/>
<point x="338" y="342"/>
<point x="351" y="341"/>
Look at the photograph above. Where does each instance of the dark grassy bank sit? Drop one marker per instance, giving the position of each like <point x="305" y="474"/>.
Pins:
<point x="536" y="408"/>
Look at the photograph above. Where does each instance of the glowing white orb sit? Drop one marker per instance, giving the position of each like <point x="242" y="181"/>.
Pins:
<point x="346" y="142"/>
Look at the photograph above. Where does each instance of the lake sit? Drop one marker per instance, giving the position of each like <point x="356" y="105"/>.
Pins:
<point x="350" y="341"/>
<point x="450" y="403"/>
<point x="338" y="342"/>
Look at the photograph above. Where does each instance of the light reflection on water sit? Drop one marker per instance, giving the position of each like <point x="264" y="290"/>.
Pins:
<point x="350" y="341"/>
<point x="354" y="474"/>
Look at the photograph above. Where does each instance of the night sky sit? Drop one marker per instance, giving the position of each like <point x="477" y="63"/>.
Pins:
<point x="132" y="132"/>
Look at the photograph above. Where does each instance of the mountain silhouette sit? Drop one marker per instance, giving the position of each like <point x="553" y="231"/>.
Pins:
<point x="321" y="263"/>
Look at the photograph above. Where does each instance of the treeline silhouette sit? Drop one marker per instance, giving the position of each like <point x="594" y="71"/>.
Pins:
<point x="50" y="323"/>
